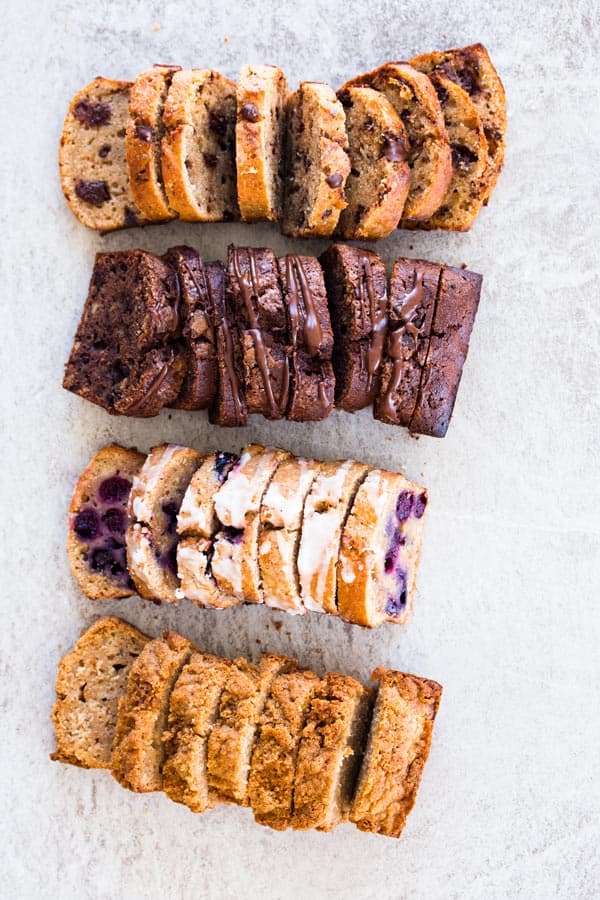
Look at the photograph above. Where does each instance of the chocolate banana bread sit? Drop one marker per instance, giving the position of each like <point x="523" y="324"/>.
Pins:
<point x="229" y="407"/>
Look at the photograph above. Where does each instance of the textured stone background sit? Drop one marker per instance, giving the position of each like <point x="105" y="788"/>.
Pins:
<point x="507" y="612"/>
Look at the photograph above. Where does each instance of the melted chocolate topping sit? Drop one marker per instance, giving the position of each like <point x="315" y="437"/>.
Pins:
<point x="155" y="386"/>
<point x="396" y="348"/>
<point x="378" y="316"/>
<point x="313" y="334"/>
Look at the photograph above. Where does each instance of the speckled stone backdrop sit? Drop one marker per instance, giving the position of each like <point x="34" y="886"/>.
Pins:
<point x="507" y="613"/>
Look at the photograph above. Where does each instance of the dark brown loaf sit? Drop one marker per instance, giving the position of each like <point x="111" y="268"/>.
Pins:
<point x="229" y="407"/>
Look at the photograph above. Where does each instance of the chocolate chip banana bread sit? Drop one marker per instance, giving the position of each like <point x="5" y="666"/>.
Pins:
<point x="125" y="356"/>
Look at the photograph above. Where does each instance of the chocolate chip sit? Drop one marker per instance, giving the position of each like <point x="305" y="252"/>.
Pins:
<point x="393" y="149"/>
<point x="104" y="150"/>
<point x="131" y="218"/>
<point x="462" y="157"/>
<point x="144" y="133"/>
<point x="345" y="99"/>
<point x="92" y="114"/>
<point x="94" y="192"/>
<point x="334" y="180"/>
<point x="249" y="111"/>
<point x="217" y="123"/>
<point x="210" y="160"/>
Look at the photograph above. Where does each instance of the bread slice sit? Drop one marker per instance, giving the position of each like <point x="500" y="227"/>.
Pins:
<point x="229" y="408"/>
<point x="91" y="158"/>
<point x="98" y="522"/>
<point x="91" y="678"/>
<point x="454" y="317"/>
<point x="197" y="525"/>
<point x="261" y="323"/>
<point x="138" y="750"/>
<point x="153" y="506"/>
<point x="316" y="160"/>
<point x="197" y="332"/>
<point x="379" y="180"/>
<point x="356" y="282"/>
<point x="145" y="129"/>
<point x="414" y="98"/>
<point x="279" y="536"/>
<point x="124" y="356"/>
<point x="472" y="69"/>
<point x="198" y="147"/>
<point x="397" y="750"/>
<point x="380" y="549"/>
<point x="330" y="752"/>
<point x="193" y="710"/>
<point x="262" y="93"/>
<point x="231" y="740"/>
<point x="273" y="767"/>
<point x="470" y="169"/>
<point x="413" y="294"/>
<point x="325" y="511"/>
<point x="237" y="504"/>
<point x="310" y="337"/>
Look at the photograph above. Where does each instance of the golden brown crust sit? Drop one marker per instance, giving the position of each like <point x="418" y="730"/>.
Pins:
<point x="138" y="751"/>
<point x="143" y="139"/>
<point x="396" y="753"/>
<point x="261" y="96"/>
<point x="91" y="679"/>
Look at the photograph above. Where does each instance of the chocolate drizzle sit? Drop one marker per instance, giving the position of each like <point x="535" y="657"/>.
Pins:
<point x="249" y="289"/>
<point x="378" y="316"/>
<point x="153" y="389"/>
<point x="396" y="349"/>
<point x="313" y="334"/>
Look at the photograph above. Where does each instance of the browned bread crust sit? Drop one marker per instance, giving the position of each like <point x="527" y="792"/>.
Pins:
<point x="396" y="752"/>
<point x="261" y="97"/>
<point x="91" y="158"/>
<point x="91" y="678"/>
<point x="379" y="180"/>
<point x="317" y="163"/>
<point x="143" y="141"/>
<point x="97" y="523"/>
<point x="198" y="147"/>
<point x="138" y="750"/>
<point x="472" y="69"/>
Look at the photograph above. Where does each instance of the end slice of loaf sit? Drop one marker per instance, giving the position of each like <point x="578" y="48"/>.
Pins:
<point x="93" y="168"/>
<point x="91" y="679"/>
<point x="379" y="180"/>
<point x="193" y="710"/>
<point x="330" y="752"/>
<point x="143" y="142"/>
<point x="316" y="160"/>
<point x="413" y="96"/>
<point x="98" y="522"/>
<point x="396" y="753"/>
<point x="198" y="148"/>
<point x="154" y="503"/>
<point x="138" y="750"/>
<point x="262" y="93"/>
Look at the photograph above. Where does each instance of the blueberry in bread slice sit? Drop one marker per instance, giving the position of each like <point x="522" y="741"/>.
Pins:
<point x="281" y="514"/>
<point x="472" y="69"/>
<point x="261" y="324"/>
<point x="143" y="141"/>
<point x="193" y="710"/>
<point x="234" y="562"/>
<point x="325" y="510"/>
<point x="379" y="180"/>
<point x="380" y="549"/>
<point x="138" y="750"/>
<point x="413" y="295"/>
<point x="197" y="526"/>
<point x="98" y="522"/>
<point x="197" y="332"/>
<point x="154" y="503"/>
<point x="92" y="164"/>
<point x="125" y="355"/>
<point x="356" y="282"/>
<point x="229" y="408"/>
<point x="233" y="735"/>
<point x="309" y="337"/>
<point x="316" y="162"/>
<point x="198" y="147"/>
<point x="274" y="758"/>
<point x="470" y="169"/>
<point x="397" y="750"/>
<point x="262" y="93"/>
<point x="454" y="317"/>
<point x="91" y="679"/>
<point x="330" y="752"/>
<point x="413" y="96"/>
